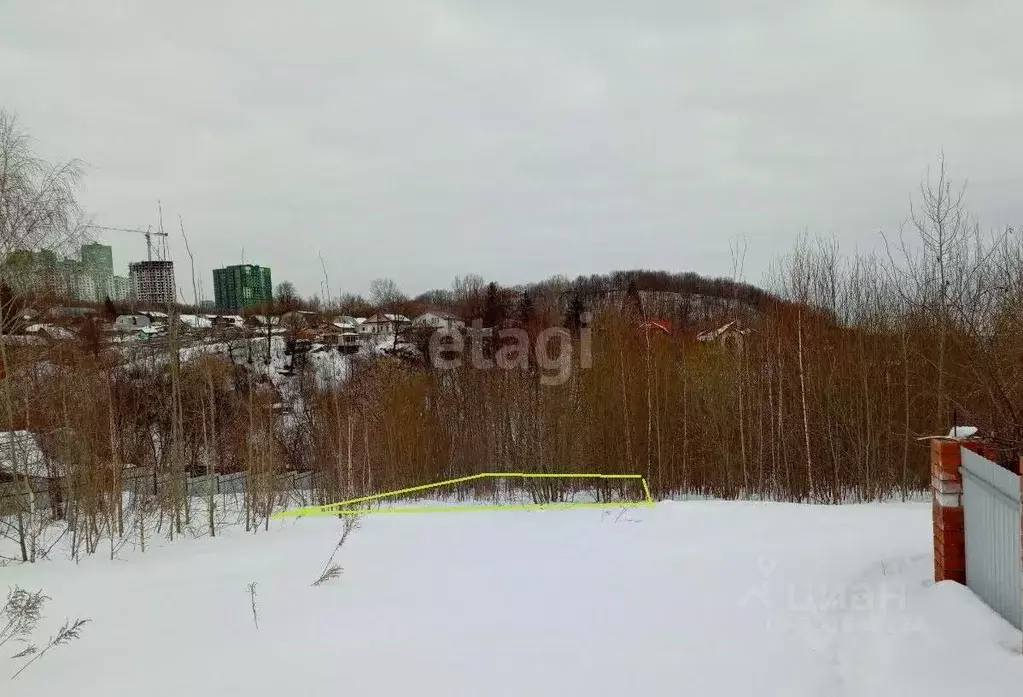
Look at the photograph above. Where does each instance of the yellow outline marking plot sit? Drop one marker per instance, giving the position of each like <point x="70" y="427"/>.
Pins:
<point x="339" y="507"/>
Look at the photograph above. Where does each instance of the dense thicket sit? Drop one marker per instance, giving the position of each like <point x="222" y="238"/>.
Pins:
<point x="818" y="393"/>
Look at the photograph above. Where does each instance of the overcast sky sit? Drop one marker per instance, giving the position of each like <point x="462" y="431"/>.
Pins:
<point x="424" y="139"/>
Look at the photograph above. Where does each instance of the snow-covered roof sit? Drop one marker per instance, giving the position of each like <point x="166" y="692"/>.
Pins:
<point x="50" y="330"/>
<point x="196" y="321"/>
<point x="382" y="317"/>
<point x="443" y="314"/>
<point x="714" y="334"/>
<point x="20" y="454"/>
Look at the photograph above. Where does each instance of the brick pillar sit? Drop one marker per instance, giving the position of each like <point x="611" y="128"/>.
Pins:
<point x="947" y="508"/>
<point x="947" y="512"/>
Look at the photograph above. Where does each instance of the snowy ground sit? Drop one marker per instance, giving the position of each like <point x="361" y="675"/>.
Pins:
<point x="697" y="598"/>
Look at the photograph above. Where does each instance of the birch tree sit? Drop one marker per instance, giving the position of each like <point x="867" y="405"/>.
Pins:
<point x="39" y="209"/>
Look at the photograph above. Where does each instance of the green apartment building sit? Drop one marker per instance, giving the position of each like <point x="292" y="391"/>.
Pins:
<point x="242" y="286"/>
<point x="98" y="260"/>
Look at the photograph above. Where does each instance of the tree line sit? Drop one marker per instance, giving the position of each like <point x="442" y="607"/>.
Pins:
<point x="839" y="366"/>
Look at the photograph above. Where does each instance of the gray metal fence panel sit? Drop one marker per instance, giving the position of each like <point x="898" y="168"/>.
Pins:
<point x="304" y="481"/>
<point x="203" y="485"/>
<point x="284" y="481"/>
<point x="139" y="481"/>
<point x="232" y="483"/>
<point x="991" y="507"/>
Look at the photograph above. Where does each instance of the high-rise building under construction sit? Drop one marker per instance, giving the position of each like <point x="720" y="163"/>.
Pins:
<point x="152" y="282"/>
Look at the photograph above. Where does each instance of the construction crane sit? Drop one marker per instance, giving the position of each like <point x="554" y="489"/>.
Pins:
<point x="148" y="232"/>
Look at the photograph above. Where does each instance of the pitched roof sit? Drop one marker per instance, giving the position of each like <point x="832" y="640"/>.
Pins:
<point x="443" y="314"/>
<point x="20" y="453"/>
<point x="382" y="317"/>
<point x="713" y="334"/>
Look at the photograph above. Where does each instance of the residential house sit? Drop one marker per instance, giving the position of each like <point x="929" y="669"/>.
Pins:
<point x="438" y="319"/>
<point x="49" y="331"/>
<point x="196" y="321"/>
<point x="21" y="458"/>
<point x="142" y="325"/>
<point x="296" y="320"/>
<point x="225" y="321"/>
<point x="132" y="323"/>
<point x="262" y="321"/>
<point x="730" y="334"/>
<point x="347" y="329"/>
<point x="345" y="322"/>
<point x="382" y="323"/>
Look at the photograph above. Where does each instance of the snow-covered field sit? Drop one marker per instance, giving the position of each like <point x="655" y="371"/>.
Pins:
<point x="687" y="598"/>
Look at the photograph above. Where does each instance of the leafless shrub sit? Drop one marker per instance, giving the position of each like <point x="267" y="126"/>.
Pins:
<point x="349" y="524"/>
<point x="22" y="612"/>
<point x="252" y="601"/>
<point x="65" y="635"/>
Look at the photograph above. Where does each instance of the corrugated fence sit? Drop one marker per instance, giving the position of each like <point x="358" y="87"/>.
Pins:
<point x="991" y="505"/>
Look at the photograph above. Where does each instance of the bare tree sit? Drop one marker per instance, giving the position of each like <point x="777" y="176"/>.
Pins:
<point x="39" y="209"/>
<point x="39" y="205"/>
<point x="385" y="294"/>
<point x="930" y="277"/>
<point x="286" y="295"/>
<point x="467" y="293"/>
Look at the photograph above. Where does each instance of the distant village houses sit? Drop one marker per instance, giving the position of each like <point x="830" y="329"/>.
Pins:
<point x="731" y="334"/>
<point x="383" y="323"/>
<point x="439" y="319"/>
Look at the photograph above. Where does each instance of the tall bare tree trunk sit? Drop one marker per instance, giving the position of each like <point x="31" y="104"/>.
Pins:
<point x="802" y="393"/>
